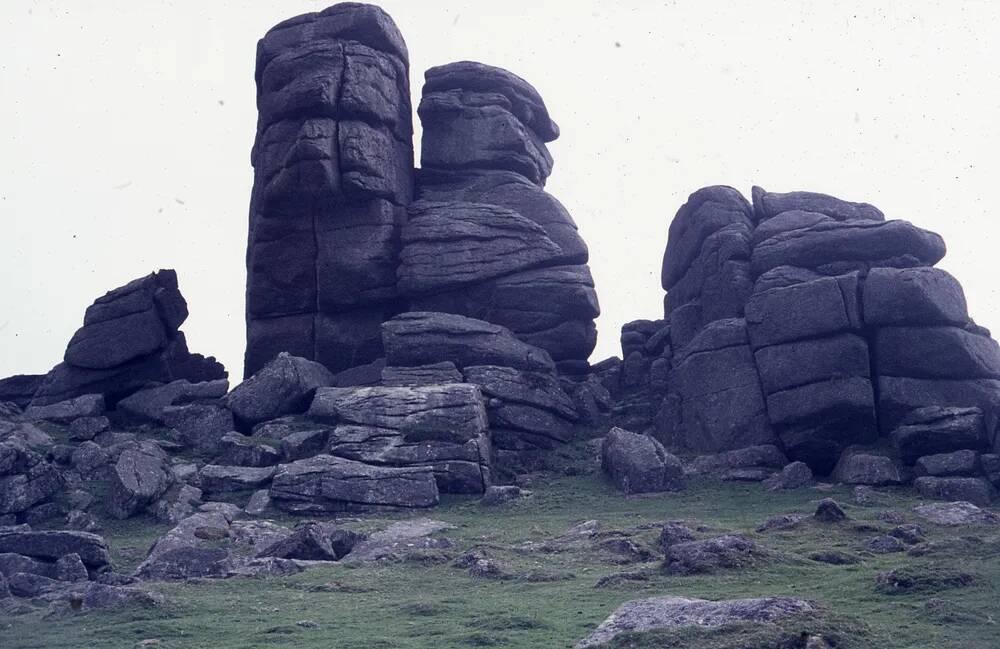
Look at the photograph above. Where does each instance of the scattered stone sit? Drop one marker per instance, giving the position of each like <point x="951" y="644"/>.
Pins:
<point x="834" y="558"/>
<point x="674" y="532"/>
<point x="502" y="494"/>
<point x="623" y="550"/>
<point x="638" y="463"/>
<point x="884" y="545"/>
<point x="828" y="511"/>
<point x="672" y="612"/>
<point x="910" y="534"/>
<point x="711" y="555"/>
<point x="781" y="522"/>
<point x="865" y="496"/>
<point x="399" y="539"/>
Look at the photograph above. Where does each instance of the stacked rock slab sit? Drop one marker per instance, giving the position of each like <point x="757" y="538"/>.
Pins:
<point x="484" y="239"/>
<point x="808" y="321"/>
<point x="333" y="168"/>
<point x="130" y="338"/>
<point x="528" y="409"/>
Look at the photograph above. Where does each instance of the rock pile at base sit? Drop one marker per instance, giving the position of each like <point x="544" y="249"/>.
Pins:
<point x="335" y="245"/>
<point x="812" y="323"/>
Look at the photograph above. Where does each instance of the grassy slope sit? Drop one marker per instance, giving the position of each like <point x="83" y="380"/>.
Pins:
<point x="437" y="605"/>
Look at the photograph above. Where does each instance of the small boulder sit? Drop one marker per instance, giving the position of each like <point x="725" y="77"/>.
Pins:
<point x="138" y="480"/>
<point x="239" y="450"/>
<point x="309" y="541"/>
<point x="884" y="544"/>
<point x="69" y="567"/>
<point x="87" y="428"/>
<point x="956" y="513"/>
<point x="828" y="511"/>
<point x="639" y="463"/>
<point x="956" y="463"/>
<point x="259" y="502"/>
<point x="711" y="555"/>
<point x="501" y="495"/>
<point x="215" y="478"/>
<point x="793" y="476"/>
<point x="858" y="467"/>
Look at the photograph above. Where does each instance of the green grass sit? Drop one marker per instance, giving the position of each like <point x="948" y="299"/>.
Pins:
<point x="432" y="604"/>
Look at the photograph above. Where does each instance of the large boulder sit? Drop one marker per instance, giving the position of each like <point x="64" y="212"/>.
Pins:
<point x="933" y="429"/>
<point x="148" y="404"/>
<point x="26" y="479"/>
<point x="284" y="386"/>
<point x="638" y="463"/>
<point x="441" y="427"/>
<point x="130" y="338"/>
<point x="913" y="296"/>
<point x="199" y="425"/>
<point x="326" y="484"/>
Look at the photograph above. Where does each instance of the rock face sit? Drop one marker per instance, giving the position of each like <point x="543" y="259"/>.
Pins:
<point x="335" y="245"/>
<point x="130" y="338"/>
<point x="813" y="323"/>
<point x="333" y="172"/>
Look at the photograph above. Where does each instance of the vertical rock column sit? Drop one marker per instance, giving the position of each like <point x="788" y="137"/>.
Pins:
<point x="484" y="239"/>
<point x="333" y="173"/>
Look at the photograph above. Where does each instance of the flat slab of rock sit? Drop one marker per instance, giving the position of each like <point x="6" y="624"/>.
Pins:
<point x="148" y="404"/>
<point x="421" y="338"/>
<point x="326" y="484"/>
<point x="956" y="513"/>
<point x="53" y="545"/>
<point x="671" y="612"/>
<point x="401" y="537"/>
<point x="63" y="412"/>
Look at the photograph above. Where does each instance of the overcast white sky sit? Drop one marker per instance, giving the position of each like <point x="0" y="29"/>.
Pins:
<point x="128" y="126"/>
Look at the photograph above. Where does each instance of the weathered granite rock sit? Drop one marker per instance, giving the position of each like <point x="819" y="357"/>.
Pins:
<point x="900" y="396"/>
<point x="26" y="479"/>
<point x="240" y="450"/>
<point x="87" y="428"/>
<point x="794" y="475"/>
<point x="433" y="374"/>
<point x="310" y="542"/>
<point x="730" y="551"/>
<point x="215" y="478"/>
<point x="198" y="425"/>
<point x="767" y="205"/>
<point x="284" y="386"/>
<point x="20" y="388"/>
<point x="956" y="463"/>
<point x="714" y="400"/>
<point x="420" y="338"/>
<point x="138" y="479"/>
<point x="53" y="545"/>
<point x="328" y="484"/>
<point x="913" y="296"/>
<point x="974" y="490"/>
<point x="763" y="456"/>
<point x="829" y="511"/>
<point x="148" y="404"/>
<point x="442" y="427"/>
<point x="673" y="612"/>
<point x="304" y="443"/>
<point x="857" y="467"/>
<point x="956" y="513"/>
<point x="333" y="167"/>
<point x="936" y="353"/>
<point x="130" y="338"/>
<point x="64" y="412"/>
<point x="933" y="430"/>
<point x="639" y="463"/>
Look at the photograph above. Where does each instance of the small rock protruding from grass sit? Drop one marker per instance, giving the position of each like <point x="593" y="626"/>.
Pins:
<point x="828" y="511"/>
<point x="674" y="532"/>
<point x="502" y="494"/>
<point x="781" y="522"/>
<point x="793" y="476"/>
<point x="902" y="581"/>
<point x="727" y="552"/>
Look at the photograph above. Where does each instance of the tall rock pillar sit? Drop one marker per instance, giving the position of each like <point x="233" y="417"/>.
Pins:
<point x="333" y="174"/>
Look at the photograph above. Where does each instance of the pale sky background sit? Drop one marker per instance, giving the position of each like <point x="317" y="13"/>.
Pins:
<point x="128" y="126"/>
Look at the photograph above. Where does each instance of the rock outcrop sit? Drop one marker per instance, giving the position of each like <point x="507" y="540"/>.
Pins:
<point x="810" y="322"/>
<point x="335" y="245"/>
<point x="130" y="338"/>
